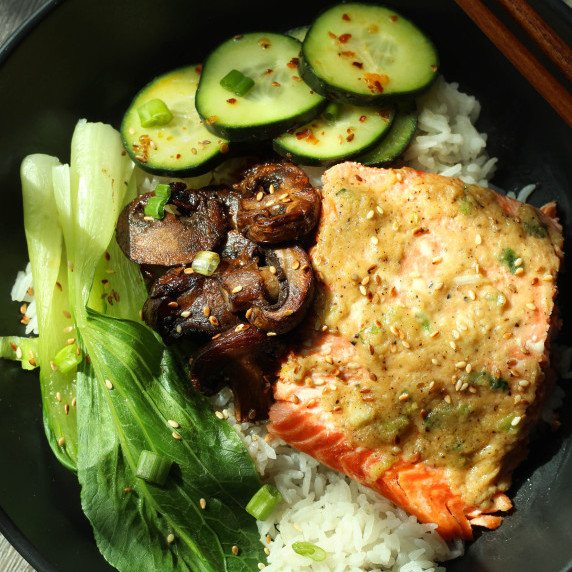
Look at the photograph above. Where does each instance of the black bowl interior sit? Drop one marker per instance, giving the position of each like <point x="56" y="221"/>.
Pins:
<point x="87" y="58"/>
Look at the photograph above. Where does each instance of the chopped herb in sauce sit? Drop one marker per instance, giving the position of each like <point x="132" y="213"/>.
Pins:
<point x="508" y="257"/>
<point x="484" y="378"/>
<point x="531" y="223"/>
<point x="466" y="204"/>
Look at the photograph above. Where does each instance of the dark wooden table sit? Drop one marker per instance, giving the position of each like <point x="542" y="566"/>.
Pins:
<point x="12" y="14"/>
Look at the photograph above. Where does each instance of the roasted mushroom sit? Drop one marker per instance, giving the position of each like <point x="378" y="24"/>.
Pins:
<point x="278" y="203"/>
<point x="193" y="221"/>
<point x="248" y="357"/>
<point x="181" y="303"/>
<point x="296" y="291"/>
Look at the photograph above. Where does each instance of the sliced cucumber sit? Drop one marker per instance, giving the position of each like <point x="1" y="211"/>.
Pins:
<point x="363" y="54"/>
<point x="278" y="100"/>
<point x="324" y="141"/>
<point x="398" y="137"/>
<point x="182" y="146"/>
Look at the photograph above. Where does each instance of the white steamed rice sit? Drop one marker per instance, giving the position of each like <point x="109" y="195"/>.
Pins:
<point x="359" y="529"/>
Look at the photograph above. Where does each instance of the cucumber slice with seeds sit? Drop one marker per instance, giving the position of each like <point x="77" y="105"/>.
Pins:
<point x="278" y="100"/>
<point x="181" y="147"/>
<point x="397" y="139"/>
<point x="322" y="141"/>
<point x="364" y="54"/>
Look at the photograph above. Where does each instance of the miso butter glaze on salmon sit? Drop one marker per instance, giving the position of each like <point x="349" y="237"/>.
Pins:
<point x="425" y="361"/>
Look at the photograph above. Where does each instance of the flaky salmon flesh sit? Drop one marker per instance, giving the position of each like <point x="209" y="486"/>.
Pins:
<point x="425" y="360"/>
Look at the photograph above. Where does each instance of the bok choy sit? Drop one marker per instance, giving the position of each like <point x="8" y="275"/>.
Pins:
<point x="131" y="391"/>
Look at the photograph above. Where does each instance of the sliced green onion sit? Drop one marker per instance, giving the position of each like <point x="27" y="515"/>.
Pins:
<point x="153" y="468"/>
<point x="163" y="191"/>
<point x="310" y="550"/>
<point x="67" y="358"/>
<point x="263" y="502"/>
<point x="155" y="207"/>
<point x="332" y="111"/>
<point x="154" y="113"/>
<point x="236" y="82"/>
<point x="206" y="262"/>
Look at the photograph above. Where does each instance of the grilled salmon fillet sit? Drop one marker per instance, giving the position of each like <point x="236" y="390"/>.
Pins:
<point x="425" y="361"/>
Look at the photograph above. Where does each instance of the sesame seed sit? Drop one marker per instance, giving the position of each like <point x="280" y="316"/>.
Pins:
<point x="170" y="538"/>
<point x="458" y="385"/>
<point x="507" y="335"/>
<point x="261" y="566"/>
<point x="469" y="368"/>
<point x="464" y="386"/>
<point x="66" y="408"/>
<point x="431" y="385"/>
<point x="461" y="364"/>
<point x="403" y="397"/>
<point x="434" y="334"/>
<point x="173" y="423"/>
<point x="185" y="314"/>
<point x="399" y="177"/>
<point x="271" y="189"/>
<point x="206" y="311"/>
<point x="236" y="289"/>
<point x="59" y="396"/>
<point x="396" y="449"/>
<point x="266" y="550"/>
<point x="548" y="278"/>
<point x="203" y="503"/>
<point x="519" y="271"/>
<point x="517" y="399"/>
<point x="219" y="414"/>
<point x="453" y="345"/>
<point x="374" y="239"/>
<point x="61" y="441"/>
<point x="235" y="550"/>
<point x="472" y="389"/>
<point x="455" y="334"/>
<point x="379" y="209"/>
<point x="439" y="285"/>
<point x="176" y="436"/>
<point x="296" y="264"/>
<point x="363" y="290"/>
<point x="272" y="269"/>
<point x="213" y="320"/>
<point x="518" y="262"/>
<point x="434" y="361"/>
<point x="108" y="384"/>
<point x="74" y="402"/>
<point x="179" y="328"/>
<point x="447" y="398"/>
<point x="405" y="344"/>
<point x="437" y="259"/>
<point x="188" y="271"/>
<point x="271" y="334"/>
<point x="472" y="295"/>
<point x="524" y="383"/>
<point x="248" y="313"/>
<point x="478" y="239"/>
<point x="531" y="306"/>
<point x="515" y="421"/>
<point x="259" y="196"/>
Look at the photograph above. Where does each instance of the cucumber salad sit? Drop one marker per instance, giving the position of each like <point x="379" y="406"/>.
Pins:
<point x="166" y="484"/>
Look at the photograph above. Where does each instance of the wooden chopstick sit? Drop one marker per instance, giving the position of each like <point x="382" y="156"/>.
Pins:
<point x="541" y="34"/>
<point x="538" y="76"/>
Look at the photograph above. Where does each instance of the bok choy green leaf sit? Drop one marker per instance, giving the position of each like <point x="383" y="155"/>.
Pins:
<point x="131" y="396"/>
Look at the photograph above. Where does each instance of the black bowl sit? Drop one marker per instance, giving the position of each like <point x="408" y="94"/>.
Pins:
<point x="87" y="58"/>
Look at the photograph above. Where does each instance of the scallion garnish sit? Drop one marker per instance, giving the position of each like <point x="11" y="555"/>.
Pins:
<point x="263" y="502"/>
<point x="332" y="111"/>
<point x="154" y="113"/>
<point x="163" y="191"/>
<point x="155" y="207"/>
<point x="205" y="262"/>
<point x="67" y="358"/>
<point x="310" y="550"/>
<point x="236" y="82"/>
<point x="153" y="468"/>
